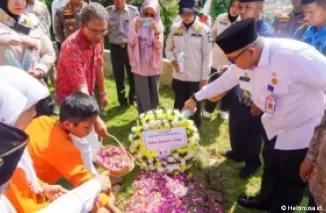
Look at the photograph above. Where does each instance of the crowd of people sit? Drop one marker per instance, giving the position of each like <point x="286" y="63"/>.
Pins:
<point x="271" y="90"/>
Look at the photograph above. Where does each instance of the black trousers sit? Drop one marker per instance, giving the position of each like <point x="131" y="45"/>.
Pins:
<point x="120" y="61"/>
<point x="58" y="45"/>
<point x="225" y="102"/>
<point x="281" y="184"/>
<point x="182" y="92"/>
<point x="245" y="131"/>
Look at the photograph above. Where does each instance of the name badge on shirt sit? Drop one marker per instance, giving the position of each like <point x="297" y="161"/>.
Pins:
<point x="196" y="35"/>
<point x="270" y="104"/>
<point x="243" y="78"/>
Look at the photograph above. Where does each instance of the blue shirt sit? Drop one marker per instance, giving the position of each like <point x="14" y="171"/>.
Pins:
<point x="316" y="37"/>
<point x="263" y="29"/>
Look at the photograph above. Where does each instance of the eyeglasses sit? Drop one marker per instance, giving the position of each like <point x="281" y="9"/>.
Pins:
<point x="97" y="32"/>
<point x="149" y="15"/>
<point x="234" y="59"/>
<point x="187" y="14"/>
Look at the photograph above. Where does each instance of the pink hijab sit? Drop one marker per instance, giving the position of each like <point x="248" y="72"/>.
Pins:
<point x="146" y="34"/>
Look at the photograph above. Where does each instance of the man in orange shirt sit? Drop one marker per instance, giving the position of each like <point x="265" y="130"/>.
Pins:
<point x="57" y="146"/>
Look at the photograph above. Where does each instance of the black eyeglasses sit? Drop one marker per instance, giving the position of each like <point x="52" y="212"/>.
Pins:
<point x="234" y="58"/>
<point x="97" y="32"/>
<point x="149" y="15"/>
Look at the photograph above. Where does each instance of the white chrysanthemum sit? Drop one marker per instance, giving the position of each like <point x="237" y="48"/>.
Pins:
<point x="152" y="123"/>
<point x="142" y="115"/>
<point x="130" y="138"/>
<point x="160" y="169"/>
<point x="151" y="167"/>
<point x="133" y="129"/>
<point x="176" y="156"/>
<point x="145" y="126"/>
<point x="159" y="123"/>
<point x="171" y="159"/>
<point x="183" y="162"/>
<point x="136" y="142"/>
<point x="150" y="160"/>
<point x="143" y="165"/>
<point x="189" y="155"/>
<point x="170" y="168"/>
<point x="175" y="122"/>
<point x="169" y="111"/>
<point x="196" y="135"/>
<point x="159" y="111"/>
<point x="177" y="112"/>
<point x="139" y="155"/>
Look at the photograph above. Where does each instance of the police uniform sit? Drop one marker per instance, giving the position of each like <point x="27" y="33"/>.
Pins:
<point x="119" y="23"/>
<point x="195" y="43"/>
<point x="218" y="59"/>
<point x="288" y="85"/>
<point x="287" y="23"/>
<point x="208" y="23"/>
<point x="67" y="21"/>
<point x="41" y="11"/>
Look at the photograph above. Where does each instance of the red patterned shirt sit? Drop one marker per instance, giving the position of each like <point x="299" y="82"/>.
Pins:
<point x="78" y="65"/>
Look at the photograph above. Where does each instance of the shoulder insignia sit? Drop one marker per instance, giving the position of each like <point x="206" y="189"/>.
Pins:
<point x="197" y="28"/>
<point x="284" y="18"/>
<point x="179" y="30"/>
<point x="132" y="7"/>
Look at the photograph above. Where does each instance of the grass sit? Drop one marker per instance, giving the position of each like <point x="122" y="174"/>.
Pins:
<point x="214" y="135"/>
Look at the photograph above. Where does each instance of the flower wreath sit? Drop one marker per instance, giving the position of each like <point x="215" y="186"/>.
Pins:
<point x="177" y="160"/>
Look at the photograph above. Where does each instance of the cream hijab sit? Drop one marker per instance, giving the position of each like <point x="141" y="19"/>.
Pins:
<point x="24" y="91"/>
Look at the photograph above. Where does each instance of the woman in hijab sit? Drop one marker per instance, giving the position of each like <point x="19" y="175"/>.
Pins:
<point x="219" y="59"/>
<point x="13" y="142"/>
<point x="23" y="43"/>
<point x="25" y="191"/>
<point x="145" y="53"/>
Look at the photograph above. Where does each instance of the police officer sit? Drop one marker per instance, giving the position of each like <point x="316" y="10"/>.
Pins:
<point x="288" y="22"/>
<point x="67" y="19"/>
<point x="188" y="47"/>
<point x="120" y="17"/>
<point x="286" y="79"/>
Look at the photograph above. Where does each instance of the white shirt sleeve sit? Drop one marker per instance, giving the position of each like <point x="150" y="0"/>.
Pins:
<point x="311" y="69"/>
<point x="79" y="200"/>
<point x="226" y="82"/>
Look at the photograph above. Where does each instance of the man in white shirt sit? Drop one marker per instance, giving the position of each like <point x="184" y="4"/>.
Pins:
<point x="286" y="79"/>
<point x="13" y="142"/>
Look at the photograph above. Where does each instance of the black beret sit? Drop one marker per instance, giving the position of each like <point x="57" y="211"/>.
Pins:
<point x="189" y="4"/>
<point x="305" y="2"/>
<point x="237" y="36"/>
<point x="12" y="145"/>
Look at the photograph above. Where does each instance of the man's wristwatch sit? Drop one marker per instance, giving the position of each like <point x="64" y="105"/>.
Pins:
<point x="193" y="97"/>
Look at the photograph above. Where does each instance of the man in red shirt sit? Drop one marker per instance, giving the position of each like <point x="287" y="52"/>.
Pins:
<point x="80" y="64"/>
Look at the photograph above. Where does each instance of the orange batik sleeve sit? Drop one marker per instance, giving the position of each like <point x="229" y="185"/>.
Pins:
<point x="22" y="196"/>
<point x="67" y="160"/>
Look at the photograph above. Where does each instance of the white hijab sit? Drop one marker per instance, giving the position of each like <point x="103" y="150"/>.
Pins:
<point x="32" y="91"/>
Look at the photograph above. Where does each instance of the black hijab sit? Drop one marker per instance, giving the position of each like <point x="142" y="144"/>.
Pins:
<point x="231" y="18"/>
<point x="4" y="6"/>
